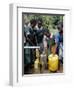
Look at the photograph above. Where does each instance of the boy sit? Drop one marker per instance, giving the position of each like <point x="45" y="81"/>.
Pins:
<point x="59" y="41"/>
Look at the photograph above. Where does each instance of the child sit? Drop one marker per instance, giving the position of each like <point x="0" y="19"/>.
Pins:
<point x="53" y="59"/>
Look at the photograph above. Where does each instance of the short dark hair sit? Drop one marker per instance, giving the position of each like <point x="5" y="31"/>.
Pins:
<point x="40" y="20"/>
<point x="32" y="21"/>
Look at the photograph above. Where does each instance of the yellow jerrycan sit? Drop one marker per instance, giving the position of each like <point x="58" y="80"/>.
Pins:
<point x="53" y="62"/>
<point x="37" y="62"/>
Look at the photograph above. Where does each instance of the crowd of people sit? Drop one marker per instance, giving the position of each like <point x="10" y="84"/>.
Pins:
<point x="37" y="60"/>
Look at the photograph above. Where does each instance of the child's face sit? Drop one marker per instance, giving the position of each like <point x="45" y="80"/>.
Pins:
<point x="53" y="49"/>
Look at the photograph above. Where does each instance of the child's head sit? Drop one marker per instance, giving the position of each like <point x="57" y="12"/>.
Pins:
<point x="53" y="48"/>
<point x="46" y="33"/>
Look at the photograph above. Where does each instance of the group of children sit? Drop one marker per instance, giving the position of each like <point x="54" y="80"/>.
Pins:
<point x="48" y="56"/>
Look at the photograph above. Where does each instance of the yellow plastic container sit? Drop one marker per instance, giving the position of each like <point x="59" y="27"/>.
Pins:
<point x="36" y="64"/>
<point x="53" y="62"/>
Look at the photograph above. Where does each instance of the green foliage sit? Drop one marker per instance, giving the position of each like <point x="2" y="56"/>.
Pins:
<point x="49" y="21"/>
